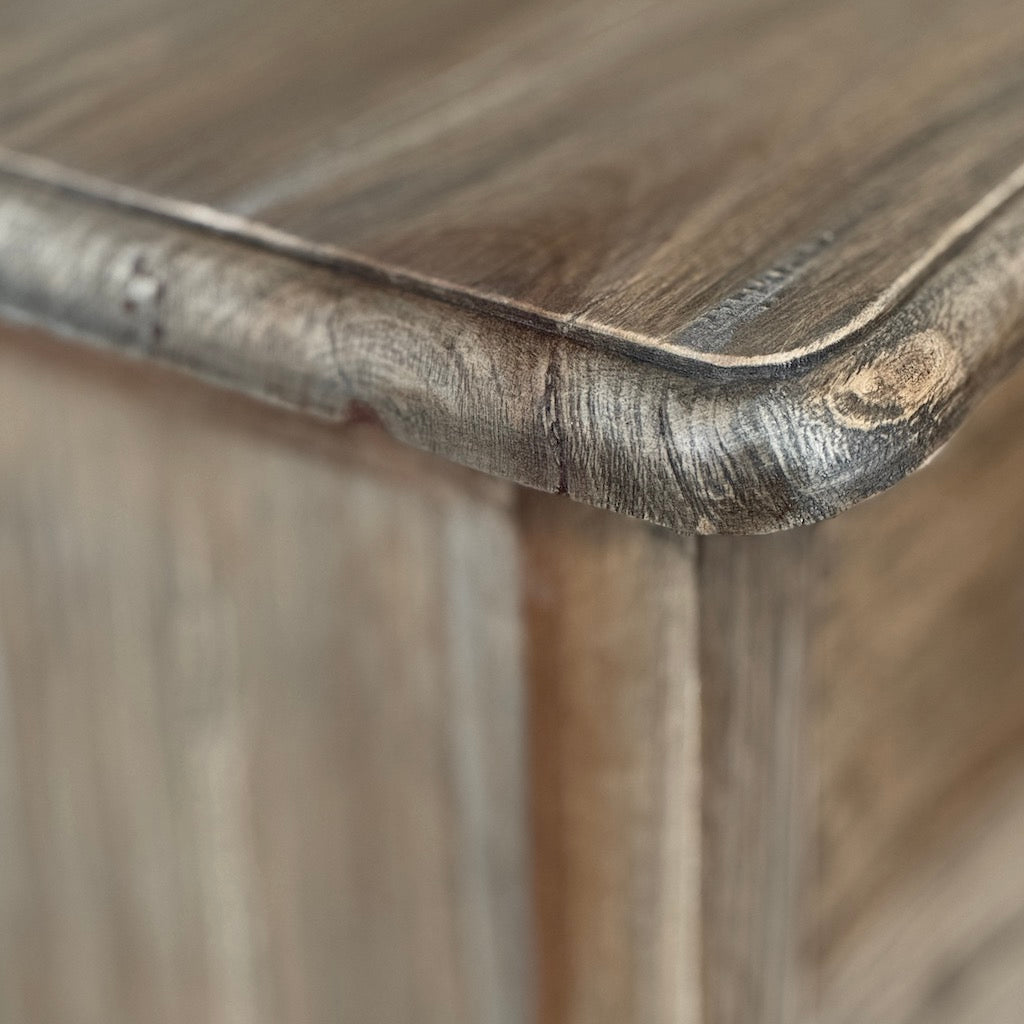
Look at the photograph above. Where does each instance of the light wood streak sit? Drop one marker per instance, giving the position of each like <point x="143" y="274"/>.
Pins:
<point x="611" y="616"/>
<point x="756" y="594"/>
<point x="261" y="714"/>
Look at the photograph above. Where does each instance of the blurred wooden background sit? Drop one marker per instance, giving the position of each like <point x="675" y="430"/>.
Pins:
<point x="297" y="725"/>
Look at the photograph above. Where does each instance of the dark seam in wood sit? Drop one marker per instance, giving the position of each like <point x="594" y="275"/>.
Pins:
<point x="552" y="418"/>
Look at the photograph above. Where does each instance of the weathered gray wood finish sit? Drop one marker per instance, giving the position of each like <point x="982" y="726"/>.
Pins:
<point x="689" y="453"/>
<point x="300" y="725"/>
<point x="493" y="222"/>
<point x="729" y="181"/>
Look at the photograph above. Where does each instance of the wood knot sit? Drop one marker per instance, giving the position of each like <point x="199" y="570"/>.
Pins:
<point x="896" y="383"/>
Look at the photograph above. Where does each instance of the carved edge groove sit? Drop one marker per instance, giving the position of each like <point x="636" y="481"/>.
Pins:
<point x="692" y="454"/>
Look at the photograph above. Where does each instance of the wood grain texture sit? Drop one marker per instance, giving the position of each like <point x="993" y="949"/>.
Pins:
<point x="858" y="849"/>
<point x="276" y="697"/>
<point x="917" y="728"/>
<point x="731" y="182"/>
<point x="669" y="682"/>
<point x="612" y="623"/>
<point x="727" y="266"/>
<point x="696" y="455"/>
<point x="756" y="597"/>
<point x="261" y="714"/>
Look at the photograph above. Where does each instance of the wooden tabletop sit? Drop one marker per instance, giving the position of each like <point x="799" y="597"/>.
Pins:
<point x="724" y="264"/>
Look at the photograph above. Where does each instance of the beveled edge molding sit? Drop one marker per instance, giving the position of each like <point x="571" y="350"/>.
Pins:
<point x="698" y="455"/>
